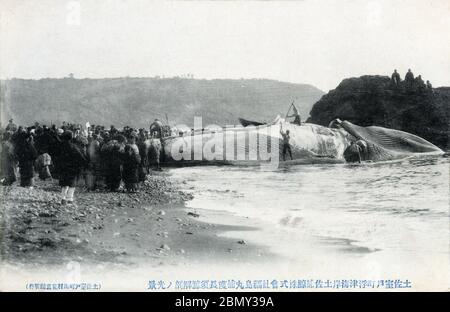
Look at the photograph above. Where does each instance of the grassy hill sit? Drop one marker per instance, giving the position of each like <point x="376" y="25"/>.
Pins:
<point x="138" y="101"/>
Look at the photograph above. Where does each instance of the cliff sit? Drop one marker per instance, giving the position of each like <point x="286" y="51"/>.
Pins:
<point x="375" y="100"/>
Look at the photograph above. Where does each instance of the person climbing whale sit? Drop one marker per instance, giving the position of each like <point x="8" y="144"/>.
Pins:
<point x="286" y="145"/>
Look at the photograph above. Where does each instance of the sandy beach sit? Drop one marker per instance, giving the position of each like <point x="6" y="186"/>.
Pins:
<point x="110" y="230"/>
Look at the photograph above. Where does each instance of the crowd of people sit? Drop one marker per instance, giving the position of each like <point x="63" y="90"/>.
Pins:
<point x="92" y="156"/>
<point x="410" y="81"/>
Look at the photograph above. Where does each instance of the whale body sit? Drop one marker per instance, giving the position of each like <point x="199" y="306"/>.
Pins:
<point x="310" y="143"/>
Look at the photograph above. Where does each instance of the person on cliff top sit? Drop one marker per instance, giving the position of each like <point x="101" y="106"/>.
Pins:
<point x="396" y="78"/>
<point x="286" y="143"/>
<point x="409" y="78"/>
<point x="72" y="161"/>
<point x="429" y="86"/>
<point x="419" y="82"/>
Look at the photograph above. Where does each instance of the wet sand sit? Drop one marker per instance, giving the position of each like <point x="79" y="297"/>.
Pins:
<point x="106" y="231"/>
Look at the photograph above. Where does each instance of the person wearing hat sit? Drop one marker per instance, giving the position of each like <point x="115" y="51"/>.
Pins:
<point x="72" y="162"/>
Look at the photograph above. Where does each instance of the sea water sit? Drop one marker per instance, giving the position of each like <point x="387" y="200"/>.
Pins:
<point x="388" y="217"/>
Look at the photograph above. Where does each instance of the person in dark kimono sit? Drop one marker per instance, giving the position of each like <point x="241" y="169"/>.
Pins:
<point x="8" y="160"/>
<point x="143" y="152"/>
<point x="112" y="153"/>
<point x="131" y="162"/>
<point x="26" y="155"/>
<point x="94" y="171"/>
<point x="72" y="161"/>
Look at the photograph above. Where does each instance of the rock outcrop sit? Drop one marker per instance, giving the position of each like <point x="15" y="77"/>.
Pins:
<point x="376" y="100"/>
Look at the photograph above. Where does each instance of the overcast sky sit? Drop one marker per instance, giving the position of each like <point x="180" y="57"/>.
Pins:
<point x="316" y="42"/>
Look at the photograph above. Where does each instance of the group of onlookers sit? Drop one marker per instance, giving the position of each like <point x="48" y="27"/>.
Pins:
<point x="91" y="156"/>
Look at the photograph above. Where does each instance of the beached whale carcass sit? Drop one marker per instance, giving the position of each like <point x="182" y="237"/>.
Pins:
<point x="381" y="143"/>
<point x="310" y="143"/>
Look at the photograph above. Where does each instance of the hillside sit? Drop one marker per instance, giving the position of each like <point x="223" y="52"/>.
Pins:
<point x="373" y="100"/>
<point x="137" y="101"/>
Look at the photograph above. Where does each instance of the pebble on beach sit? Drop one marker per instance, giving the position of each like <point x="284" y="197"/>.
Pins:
<point x="193" y="214"/>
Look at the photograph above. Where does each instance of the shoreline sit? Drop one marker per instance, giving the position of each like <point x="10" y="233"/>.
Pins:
<point x="152" y="228"/>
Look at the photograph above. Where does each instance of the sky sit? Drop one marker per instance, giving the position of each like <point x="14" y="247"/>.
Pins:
<point x="309" y="41"/>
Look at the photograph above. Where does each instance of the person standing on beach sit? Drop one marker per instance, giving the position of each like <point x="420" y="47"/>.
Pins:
<point x="26" y="155"/>
<point x="95" y="165"/>
<point x="286" y="144"/>
<point x="72" y="162"/>
<point x="131" y="162"/>
<point x="143" y="153"/>
<point x="43" y="163"/>
<point x="8" y="160"/>
<point x="112" y="157"/>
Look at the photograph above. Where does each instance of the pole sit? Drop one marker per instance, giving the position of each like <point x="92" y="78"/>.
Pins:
<point x="290" y="106"/>
<point x="167" y="119"/>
